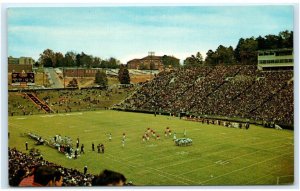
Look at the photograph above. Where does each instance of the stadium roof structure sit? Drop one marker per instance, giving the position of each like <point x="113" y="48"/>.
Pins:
<point x="275" y="50"/>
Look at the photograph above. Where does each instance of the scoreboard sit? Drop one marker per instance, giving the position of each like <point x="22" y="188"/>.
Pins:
<point x="23" y="78"/>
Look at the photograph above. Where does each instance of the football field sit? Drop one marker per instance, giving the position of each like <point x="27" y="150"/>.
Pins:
<point x="217" y="156"/>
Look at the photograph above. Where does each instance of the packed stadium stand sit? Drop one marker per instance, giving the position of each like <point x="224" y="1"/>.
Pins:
<point x="237" y="91"/>
<point x="29" y="102"/>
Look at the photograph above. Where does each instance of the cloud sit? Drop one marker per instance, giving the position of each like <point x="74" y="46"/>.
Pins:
<point x="124" y="31"/>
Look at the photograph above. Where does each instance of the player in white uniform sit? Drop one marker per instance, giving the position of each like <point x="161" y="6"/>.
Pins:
<point x="110" y="137"/>
<point x="123" y="143"/>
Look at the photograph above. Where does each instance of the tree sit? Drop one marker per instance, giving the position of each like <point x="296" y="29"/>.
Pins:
<point x="47" y="58"/>
<point x="101" y="78"/>
<point x="246" y="51"/>
<point x="73" y="83"/>
<point x="271" y="41"/>
<point x="113" y="63"/>
<point x="199" y="58"/>
<point x="190" y="62"/>
<point x="96" y="62"/>
<point x="237" y="50"/>
<point x="87" y="60"/>
<point x="78" y="60"/>
<point x="211" y="58"/>
<point x="287" y="39"/>
<point x="110" y="63"/>
<point x="225" y="55"/>
<point x="123" y="75"/>
<point x="59" y="59"/>
<point x="193" y="61"/>
<point x="70" y="59"/>
<point x="104" y="64"/>
<point x="261" y="43"/>
<point x="170" y="61"/>
<point x="36" y="64"/>
<point x="84" y="60"/>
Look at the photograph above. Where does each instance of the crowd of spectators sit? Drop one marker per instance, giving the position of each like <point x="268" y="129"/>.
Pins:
<point x="31" y="170"/>
<point x="66" y="100"/>
<point x="21" y="164"/>
<point x="19" y="104"/>
<point x="232" y="91"/>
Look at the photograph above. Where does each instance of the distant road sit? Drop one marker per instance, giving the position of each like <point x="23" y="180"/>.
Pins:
<point x="56" y="83"/>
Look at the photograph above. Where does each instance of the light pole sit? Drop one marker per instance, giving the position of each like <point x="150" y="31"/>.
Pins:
<point x="64" y="76"/>
<point x="44" y="78"/>
<point x="151" y="54"/>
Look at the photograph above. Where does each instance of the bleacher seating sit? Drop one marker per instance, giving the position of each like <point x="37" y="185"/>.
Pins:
<point x="231" y="91"/>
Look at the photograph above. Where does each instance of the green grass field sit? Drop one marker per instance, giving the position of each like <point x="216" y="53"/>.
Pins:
<point x="218" y="156"/>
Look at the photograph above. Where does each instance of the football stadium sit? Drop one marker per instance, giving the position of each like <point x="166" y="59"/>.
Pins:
<point x="237" y="131"/>
<point x="226" y="119"/>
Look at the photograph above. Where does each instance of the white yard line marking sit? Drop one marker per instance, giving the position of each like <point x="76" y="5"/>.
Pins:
<point x="178" y="163"/>
<point x="133" y="156"/>
<point x="286" y="176"/>
<point x="48" y="116"/>
<point x="278" y="178"/>
<point x="240" y="156"/>
<point x="213" y="153"/>
<point x="17" y="125"/>
<point x="255" y="180"/>
<point x="243" y="168"/>
<point x="159" y="152"/>
<point x="127" y="164"/>
<point x="113" y="158"/>
<point x="168" y="156"/>
<point x="222" y="162"/>
<point x="169" y="174"/>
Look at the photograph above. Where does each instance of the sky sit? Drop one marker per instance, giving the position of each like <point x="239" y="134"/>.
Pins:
<point x="128" y="32"/>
